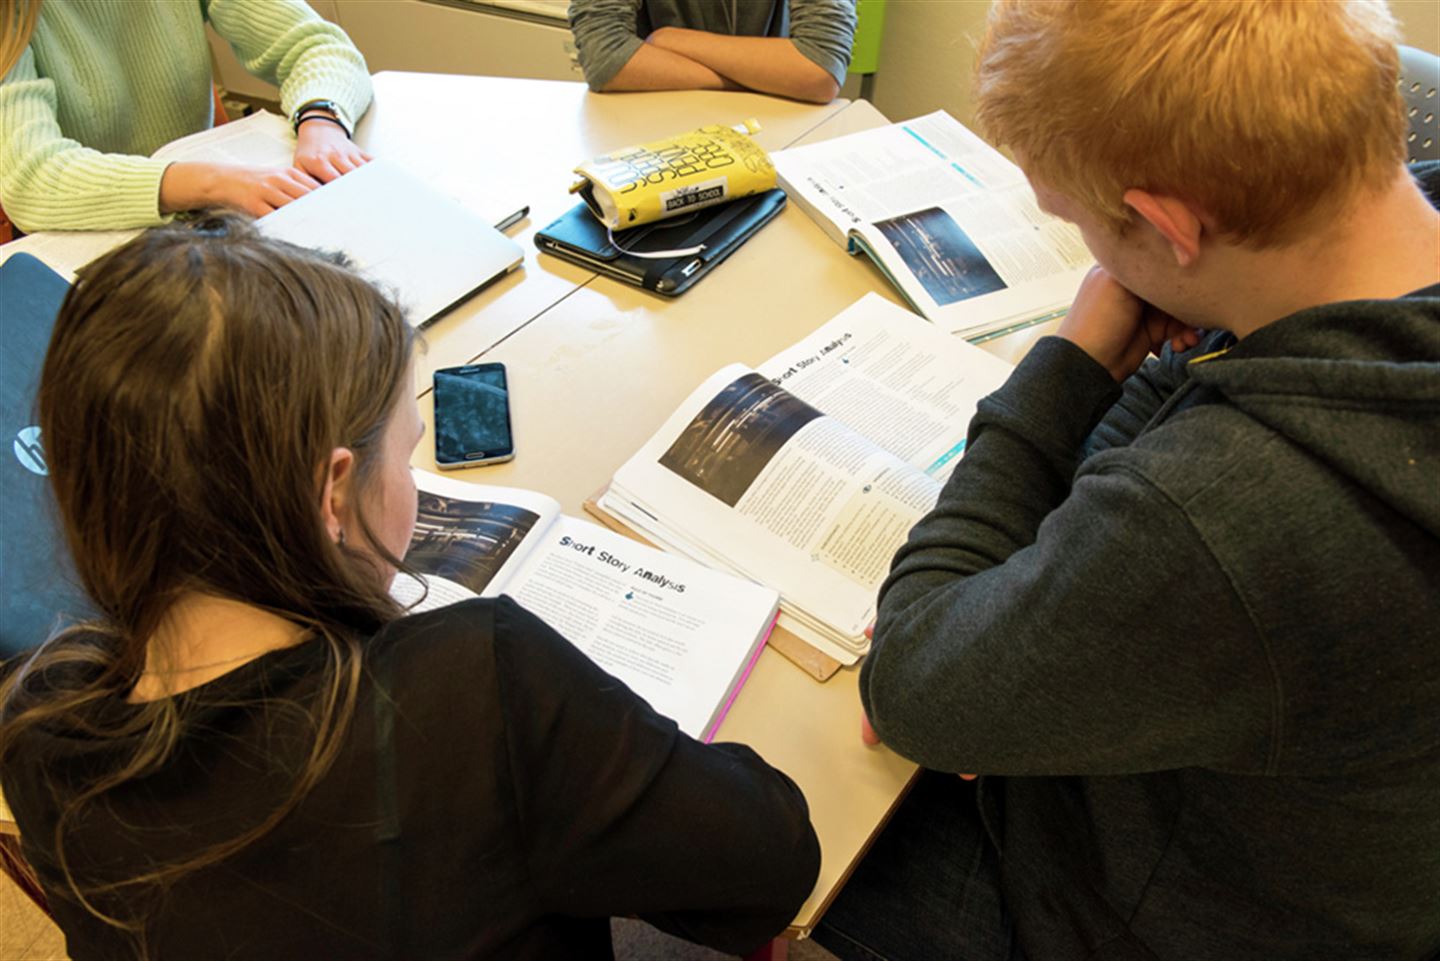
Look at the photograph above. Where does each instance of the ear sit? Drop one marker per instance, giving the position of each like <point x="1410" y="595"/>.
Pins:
<point x="1179" y="222"/>
<point x="337" y="491"/>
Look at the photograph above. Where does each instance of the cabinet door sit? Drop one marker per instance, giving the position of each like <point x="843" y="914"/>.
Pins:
<point x="427" y="36"/>
<point x="459" y="37"/>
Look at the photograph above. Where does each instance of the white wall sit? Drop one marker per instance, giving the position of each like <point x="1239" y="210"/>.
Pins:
<point x="1419" y="22"/>
<point x="927" y="54"/>
<point x="431" y="38"/>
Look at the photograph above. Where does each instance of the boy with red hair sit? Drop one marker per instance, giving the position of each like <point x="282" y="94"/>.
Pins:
<point x="1183" y="613"/>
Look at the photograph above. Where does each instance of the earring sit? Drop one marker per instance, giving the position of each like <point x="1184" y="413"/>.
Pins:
<point x="340" y="538"/>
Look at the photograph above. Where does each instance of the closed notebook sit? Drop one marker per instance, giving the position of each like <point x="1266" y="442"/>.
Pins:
<point x="719" y="231"/>
<point x="400" y="233"/>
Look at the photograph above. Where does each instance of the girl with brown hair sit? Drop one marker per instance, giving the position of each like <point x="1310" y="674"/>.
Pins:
<point x="254" y="752"/>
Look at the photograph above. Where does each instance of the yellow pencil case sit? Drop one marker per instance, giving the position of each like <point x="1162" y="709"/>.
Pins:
<point x="666" y="178"/>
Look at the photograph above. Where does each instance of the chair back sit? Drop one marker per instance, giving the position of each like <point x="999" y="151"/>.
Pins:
<point x="1419" y="79"/>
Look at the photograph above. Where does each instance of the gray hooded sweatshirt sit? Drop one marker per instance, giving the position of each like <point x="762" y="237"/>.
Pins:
<point x="1199" y="643"/>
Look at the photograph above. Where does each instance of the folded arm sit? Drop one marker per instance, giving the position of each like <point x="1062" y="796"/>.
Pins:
<point x="808" y="65"/>
<point x="654" y="68"/>
<point x="765" y="64"/>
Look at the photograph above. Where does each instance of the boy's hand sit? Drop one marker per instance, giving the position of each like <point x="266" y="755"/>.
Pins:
<point x="867" y="733"/>
<point x="1118" y="329"/>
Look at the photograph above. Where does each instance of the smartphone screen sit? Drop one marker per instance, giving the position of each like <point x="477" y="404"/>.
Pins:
<point x="472" y="416"/>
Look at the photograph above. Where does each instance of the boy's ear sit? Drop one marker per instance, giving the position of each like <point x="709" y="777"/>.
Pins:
<point x="336" y="492"/>
<point x="1179" y="222"/>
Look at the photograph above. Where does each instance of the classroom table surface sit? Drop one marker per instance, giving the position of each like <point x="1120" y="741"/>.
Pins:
<point x="596" y="365"/>
<point x="594" y="375"/>
<point x="596" y="372"/>
<point x="518" y="142"/>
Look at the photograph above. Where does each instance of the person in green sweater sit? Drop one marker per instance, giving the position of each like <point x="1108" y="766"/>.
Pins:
<point x="92" y="87"/>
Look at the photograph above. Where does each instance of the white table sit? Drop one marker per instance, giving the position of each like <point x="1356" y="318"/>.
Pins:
<point x="596" y="373"/>
<point x="521" y="140"/>
<point x="596" y="366"/>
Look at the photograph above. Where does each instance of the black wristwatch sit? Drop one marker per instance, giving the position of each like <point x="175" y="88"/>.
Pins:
<point x="329" y="105"/>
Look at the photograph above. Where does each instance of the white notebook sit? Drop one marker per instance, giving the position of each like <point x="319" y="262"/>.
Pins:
<point x="407" y="237"/>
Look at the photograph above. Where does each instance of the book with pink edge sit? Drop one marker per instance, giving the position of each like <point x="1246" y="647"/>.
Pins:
<point x="681" y="635"/>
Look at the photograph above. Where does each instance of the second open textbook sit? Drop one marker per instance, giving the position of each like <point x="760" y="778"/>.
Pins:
<point x="680" y="635"/>
<point x="806" y="474"/>
<point x="948" y="220"/>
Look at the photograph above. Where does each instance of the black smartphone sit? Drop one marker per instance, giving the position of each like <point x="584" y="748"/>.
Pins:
<point x="472" y="416"/>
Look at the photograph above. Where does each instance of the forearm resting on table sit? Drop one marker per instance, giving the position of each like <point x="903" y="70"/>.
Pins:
<point x="765" y="64"/>
<point x="254" y="190"/>
<point x="188" y="186"/>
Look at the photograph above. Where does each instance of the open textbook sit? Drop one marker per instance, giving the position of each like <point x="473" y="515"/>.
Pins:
<point x="682" y="636"/>
<point x="948" y="220"/>
<point x="807" y="473"/>
<point x="260" y="140"/>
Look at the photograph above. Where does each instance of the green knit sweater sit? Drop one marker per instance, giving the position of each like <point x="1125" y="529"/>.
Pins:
<point x="106" y="82"/>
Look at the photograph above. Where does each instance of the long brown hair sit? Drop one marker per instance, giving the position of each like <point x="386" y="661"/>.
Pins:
<point x="196" y="382"/>
<point x="17" y="26"/>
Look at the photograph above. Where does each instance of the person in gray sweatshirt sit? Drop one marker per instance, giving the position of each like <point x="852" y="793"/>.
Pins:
<point x="1182" y="615"/>
<point x="793" y="48"/>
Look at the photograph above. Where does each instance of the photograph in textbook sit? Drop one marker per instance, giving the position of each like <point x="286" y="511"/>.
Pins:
<point x="806" y="473"/>
<point x="947" y="218"/>
<point x="941" y="255"/>
<point x="682" y="636"/>
<point x="466" y="541"/>
<point x="736" y="435"/>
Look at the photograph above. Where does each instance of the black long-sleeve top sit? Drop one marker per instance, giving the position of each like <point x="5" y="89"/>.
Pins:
<point x="497" y="795"/>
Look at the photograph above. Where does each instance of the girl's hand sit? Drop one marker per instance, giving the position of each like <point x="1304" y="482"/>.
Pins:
<point x="324" y="152"/>
<point x="252" y="190"/>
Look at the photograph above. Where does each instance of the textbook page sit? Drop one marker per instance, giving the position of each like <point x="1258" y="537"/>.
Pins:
<point x="894" y="378"/>
<point x="468" y="540"/>
<point x="952" y="223"/>
<point x="262" y="139"/>
<point x="808" y="629"/>
<point x="789" y="497"/>
<point x="66" y="251"/>
<point x="680" y="635"/>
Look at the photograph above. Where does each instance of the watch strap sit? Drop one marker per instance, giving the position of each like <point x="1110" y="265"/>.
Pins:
<point x="329" y="105"/>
